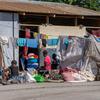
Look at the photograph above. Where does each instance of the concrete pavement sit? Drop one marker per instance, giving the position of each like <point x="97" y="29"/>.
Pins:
<point x="51" y="91"/>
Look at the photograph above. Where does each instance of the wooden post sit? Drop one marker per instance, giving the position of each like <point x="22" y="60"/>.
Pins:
<point x="76" y="23"/>
<point x="13" y="35"/>
<point x="0" y="56"/>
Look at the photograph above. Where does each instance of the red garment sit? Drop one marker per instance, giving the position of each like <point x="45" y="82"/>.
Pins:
<point x="25" y="52"/>
<point x="68" y="76"/>
<point x="96" y="33"/>
<point x="47" y="63"/>
<point x="27" y="33"/>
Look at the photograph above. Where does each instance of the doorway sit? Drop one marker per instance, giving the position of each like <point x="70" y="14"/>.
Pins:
<point x="22" y="34"/>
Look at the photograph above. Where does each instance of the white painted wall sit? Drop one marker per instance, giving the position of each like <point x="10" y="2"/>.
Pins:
<point x="56" y="31"/>
<point x="6" y="30"/>
<point x="63" y="30"/>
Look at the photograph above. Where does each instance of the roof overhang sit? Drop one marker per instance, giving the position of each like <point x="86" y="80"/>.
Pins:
<point x="45" y="8"/>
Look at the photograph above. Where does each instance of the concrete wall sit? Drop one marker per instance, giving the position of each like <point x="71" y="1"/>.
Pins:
<point x="6" y="30"/>
<point x="63" y="30"/>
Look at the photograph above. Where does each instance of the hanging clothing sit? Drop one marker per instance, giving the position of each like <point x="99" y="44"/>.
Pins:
<point x="35" y="34"/>
<point x="38" y="36"/>
<point x="25" y="52"/>
<point x="49" y="42"/>
<point x="52" y="42"/>
<point x="55" y="41"/>
<point x="27" y="33"/>
<point x="66" y="42"/>
<point x="32" y="43"/>
<point x="44" y="42"/>
<point x="21" y="42"/>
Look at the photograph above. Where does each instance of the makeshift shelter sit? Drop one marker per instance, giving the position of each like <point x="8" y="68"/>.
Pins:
<point x="51" y="19"/>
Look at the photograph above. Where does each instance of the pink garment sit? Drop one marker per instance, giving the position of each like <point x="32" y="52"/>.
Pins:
<point x="68" y="76"/>
<point x="96" y="33"/>
<point x="47" y="63"/>
<point x="68" y="72"/>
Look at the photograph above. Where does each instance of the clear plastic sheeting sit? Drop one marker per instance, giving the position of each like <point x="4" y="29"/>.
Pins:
<point x="81" y="53"/>
<point x="3" y="40"/>
<point x="94" y="50"/>
<point x="72" y="54"/>
<point x="87" y="64"/>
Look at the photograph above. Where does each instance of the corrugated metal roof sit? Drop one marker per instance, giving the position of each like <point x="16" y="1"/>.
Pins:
<point x="46" y="8"/>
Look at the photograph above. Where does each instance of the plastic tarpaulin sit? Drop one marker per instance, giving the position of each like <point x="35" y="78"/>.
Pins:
<point x="81" y="53"/>
<point x="6" y="47"/>
<point x="71" y="55"/>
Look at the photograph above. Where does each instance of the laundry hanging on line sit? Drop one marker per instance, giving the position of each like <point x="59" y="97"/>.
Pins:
<point x="44" y="42"/>
<point x="27" y="33"/>
<point x="52" y="42"/>
<point x="40" y="36"/>
<point x="21" y="42"/>
<point x="32" y="43"/>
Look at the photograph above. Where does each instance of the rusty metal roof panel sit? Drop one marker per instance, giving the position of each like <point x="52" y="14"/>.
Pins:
<point x="46" y="8"/>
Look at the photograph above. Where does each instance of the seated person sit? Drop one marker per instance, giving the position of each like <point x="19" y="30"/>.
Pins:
<point x="14" y="71"/>
<point x="5" y="74"/>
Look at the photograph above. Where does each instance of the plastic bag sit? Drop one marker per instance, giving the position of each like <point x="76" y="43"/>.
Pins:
<point x="38" y="78"/>
<point x="30" y="78"/>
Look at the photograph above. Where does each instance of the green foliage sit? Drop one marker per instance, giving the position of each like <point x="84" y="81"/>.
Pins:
<point x="91" y="4"/>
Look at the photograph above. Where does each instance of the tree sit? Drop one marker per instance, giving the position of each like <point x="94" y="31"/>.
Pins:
<point x="91" y="4"/>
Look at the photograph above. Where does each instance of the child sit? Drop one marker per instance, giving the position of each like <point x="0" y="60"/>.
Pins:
<point x="14" y="71"/>
<point x="5" y="74"/>
<point x="47" y="63"/>
<point x="55" y="61"/>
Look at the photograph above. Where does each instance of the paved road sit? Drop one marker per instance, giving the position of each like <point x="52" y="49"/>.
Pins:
<point x="51" y="91"/>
